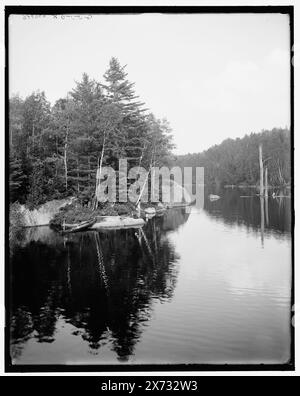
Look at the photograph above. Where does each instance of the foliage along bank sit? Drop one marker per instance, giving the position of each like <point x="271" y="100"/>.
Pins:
<point x="55" y="151"/>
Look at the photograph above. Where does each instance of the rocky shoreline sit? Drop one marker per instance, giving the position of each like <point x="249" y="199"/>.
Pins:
<point x="68" y="213"/>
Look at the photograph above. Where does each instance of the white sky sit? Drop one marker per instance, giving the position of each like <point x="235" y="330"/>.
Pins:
<point x="211" y="76"/>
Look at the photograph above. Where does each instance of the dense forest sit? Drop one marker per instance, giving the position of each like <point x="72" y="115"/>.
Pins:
<point x="55" y="151"/>
<point x="235" y="162"/>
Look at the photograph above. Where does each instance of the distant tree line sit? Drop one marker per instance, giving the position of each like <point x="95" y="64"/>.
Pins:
<point x="55" y="151"/>
<point x="235" y="161"/>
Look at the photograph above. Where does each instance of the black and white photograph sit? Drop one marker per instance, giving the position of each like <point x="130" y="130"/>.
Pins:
<point x="150" y="190"/>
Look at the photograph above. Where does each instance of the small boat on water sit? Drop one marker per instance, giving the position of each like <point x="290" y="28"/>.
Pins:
<point x="214" y="197"/>
<point x="68" y="228"/>
<point x="150" y="211"/>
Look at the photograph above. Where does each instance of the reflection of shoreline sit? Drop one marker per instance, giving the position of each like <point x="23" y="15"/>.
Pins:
<point x="174" y="218"/>
<point x="268" y="232"/>
<point x="170" y="221"/>
<point x="233" y="211"/>
<point x="104" y="284"/>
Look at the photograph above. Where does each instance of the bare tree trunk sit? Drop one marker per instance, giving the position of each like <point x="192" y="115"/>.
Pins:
<point x="141" y="157"/>
<point x="98" y="173"/>
<point x="153" y="184"/>
<point x="78" y="189"/>
<point x="262" y="220"/>
<point x="152" y="192"/>
<point x="267" y="210"/>
<point x="143" y="187"/>
<point x="261" y="168"/>
<point x="101" y="158"/>
<point x="266" y="182"/>
<point x="94" y="200"/>
<point x="65" y="158"/>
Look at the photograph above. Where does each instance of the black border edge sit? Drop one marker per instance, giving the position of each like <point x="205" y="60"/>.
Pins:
<point x="292" y="115"/>
<point x="58" y="10"/>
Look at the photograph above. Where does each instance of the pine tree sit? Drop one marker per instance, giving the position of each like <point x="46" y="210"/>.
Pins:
<point x="58" y="139"/>
<point x="84" y="148"/>
<point x="133" y="128"/>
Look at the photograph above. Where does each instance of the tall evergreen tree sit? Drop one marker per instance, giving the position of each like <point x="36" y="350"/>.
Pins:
<point x="132" y="128"/>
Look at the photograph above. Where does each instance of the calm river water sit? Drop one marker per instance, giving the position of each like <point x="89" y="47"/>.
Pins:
<point x="197" y="285"/>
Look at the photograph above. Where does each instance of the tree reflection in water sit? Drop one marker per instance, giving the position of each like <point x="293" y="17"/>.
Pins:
<point x="233" y="210"/>
<point x="103" y="283"/>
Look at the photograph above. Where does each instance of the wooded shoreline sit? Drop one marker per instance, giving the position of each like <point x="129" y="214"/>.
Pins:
<point x="59" y="151"/>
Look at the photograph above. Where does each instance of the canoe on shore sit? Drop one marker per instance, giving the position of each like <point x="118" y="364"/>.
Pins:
<point x="150" y="211"/>
<point x="153" y="212"/>
<point x="214" y="197"/>
<point x="116" y="222"/>
<point x="84" y="225"/>
<point x="180" y="204"/>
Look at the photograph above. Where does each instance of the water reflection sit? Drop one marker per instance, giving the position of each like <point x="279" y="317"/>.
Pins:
<point x="103" y="284"/>
<point x="162" y="293"/>
<point x="243" y="208"/>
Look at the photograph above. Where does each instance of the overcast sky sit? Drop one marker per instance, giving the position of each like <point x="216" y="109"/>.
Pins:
<point x="211" y="76"/>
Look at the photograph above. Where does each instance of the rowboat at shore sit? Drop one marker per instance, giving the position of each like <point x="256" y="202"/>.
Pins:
<point x="116" y="222"/>
<point x="214" y="197"/>
<point x="84" y="225"/>
<point x="180" y="204"/>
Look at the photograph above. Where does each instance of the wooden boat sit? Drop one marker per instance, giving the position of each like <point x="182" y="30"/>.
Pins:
<point x="150" y="211"/>
<point x="180" y="204"/>
<point x="214" y="197"/>
<point x="78" y="227"/>
<point x="116" y="222"/>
